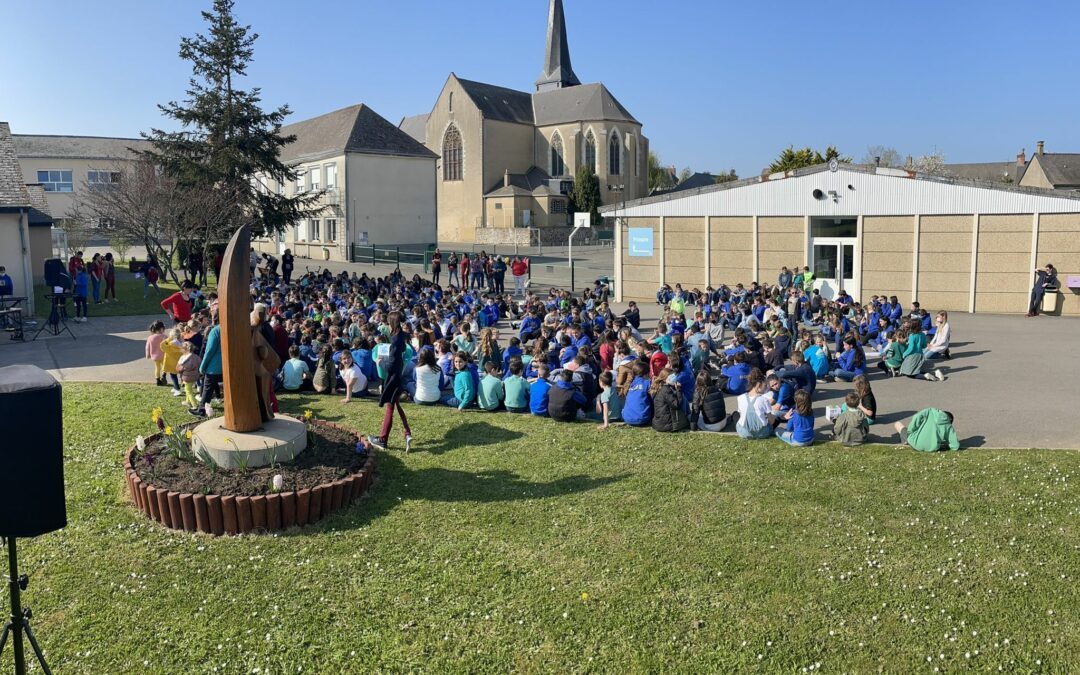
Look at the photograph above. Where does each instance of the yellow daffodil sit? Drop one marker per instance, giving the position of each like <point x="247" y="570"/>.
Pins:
<point x="168" y="431"/>
<point x="154" y="415"/>
<point x="584" y="597"/>
<point x="307" y="414"/>
<point x="187" y="434"/>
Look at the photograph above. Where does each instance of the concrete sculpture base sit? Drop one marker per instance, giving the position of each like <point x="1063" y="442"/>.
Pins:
<point x="279" y="440"/>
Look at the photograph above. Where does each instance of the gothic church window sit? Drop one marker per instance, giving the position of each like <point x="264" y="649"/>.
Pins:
<point x="452" y="165"/>
<point x="558" y="165"/>
<point x="590" y="151"/>
<point x="614" y="155"/>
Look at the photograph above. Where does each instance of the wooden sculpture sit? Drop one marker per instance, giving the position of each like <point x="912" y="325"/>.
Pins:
<point x="267" y="363"/>
<point x="242" y="409"/>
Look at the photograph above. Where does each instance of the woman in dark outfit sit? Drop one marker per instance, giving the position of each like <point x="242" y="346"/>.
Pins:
<point x="287" y="264"/>
<point x="391" y="389"/>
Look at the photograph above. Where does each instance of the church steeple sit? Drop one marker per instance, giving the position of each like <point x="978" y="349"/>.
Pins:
<point x="558" y="72"/>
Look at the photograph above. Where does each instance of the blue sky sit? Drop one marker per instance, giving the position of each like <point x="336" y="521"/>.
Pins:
<point x="717" y="84"/>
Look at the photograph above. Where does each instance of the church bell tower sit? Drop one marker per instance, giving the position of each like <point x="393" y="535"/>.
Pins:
<point x="558" y="72"/>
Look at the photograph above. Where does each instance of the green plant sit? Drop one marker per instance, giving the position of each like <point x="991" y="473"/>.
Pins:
<point x="207" y="460"/>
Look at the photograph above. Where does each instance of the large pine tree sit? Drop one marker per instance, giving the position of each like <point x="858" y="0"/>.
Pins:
<point x="227" y="142"/>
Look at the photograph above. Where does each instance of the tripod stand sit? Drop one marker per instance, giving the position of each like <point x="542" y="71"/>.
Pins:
<point x="57" y="322"/>
<point x="20" y="618"/>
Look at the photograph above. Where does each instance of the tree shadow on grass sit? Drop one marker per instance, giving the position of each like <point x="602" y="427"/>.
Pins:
<point x="396" y="484"/>
<point x="470" y="434"/>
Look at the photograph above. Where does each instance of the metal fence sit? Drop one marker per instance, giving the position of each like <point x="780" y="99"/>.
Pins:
<point x="375" y="255"/>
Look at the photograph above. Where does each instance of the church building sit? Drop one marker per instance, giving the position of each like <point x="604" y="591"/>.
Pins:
<point x="507" y="158"/>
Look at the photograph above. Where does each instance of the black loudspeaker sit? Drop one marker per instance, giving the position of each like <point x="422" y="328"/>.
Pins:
<point x="31" y="453"/>
<point x="56" y="274"/>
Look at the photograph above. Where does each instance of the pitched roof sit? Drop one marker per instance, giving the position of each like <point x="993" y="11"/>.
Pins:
<point x="13" y="192"/>
<point x="39" y="205"/>
<point x="1062" y="169"/>
<point x="532" y="182"/>
<point x="415" y="126"/>
<point x="357" y="128"/>
<point x="988" y="171"/>
<point x="557" y="69"/>
<point x="77" y="147"/>
<point x="499" y="103"/>
<point x="583" y="103"/>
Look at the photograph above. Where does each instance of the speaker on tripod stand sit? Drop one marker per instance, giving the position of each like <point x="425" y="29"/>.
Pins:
<point x="31" y="483"/>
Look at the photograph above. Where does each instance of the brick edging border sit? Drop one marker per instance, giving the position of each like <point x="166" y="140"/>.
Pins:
<point x="228" y="514"/>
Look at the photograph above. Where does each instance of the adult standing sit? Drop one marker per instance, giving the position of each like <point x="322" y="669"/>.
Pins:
<point x="452" y="266"/>
<point x="1045" y="280"/>
<point x="110" y="277"/>
<point x="74" y="263"/>
<point x="519" y="268"/>
<point x="178" y="305"/>
<point x="97" y="275"/>
<point x="436" y="266"/>
<point x="465" y="264"/>
<point x="785" y="278"/>
<point x="498" y="270"/>
<point x="288" y="263"/>
<point x="390" y="399"/>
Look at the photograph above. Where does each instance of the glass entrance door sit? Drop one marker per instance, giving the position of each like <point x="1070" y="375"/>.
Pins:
<point x="833" y="264"/>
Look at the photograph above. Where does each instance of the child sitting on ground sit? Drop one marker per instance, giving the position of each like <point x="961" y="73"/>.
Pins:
<point x="564" y="399"/>
<point x="539" y="391"/>
<point x="800" y="422"/>
<point x="930" y="430"/>
<point x="851" y="427"/>
<point x="491" y="394"/>
<point x="609" y="404"/>
<point x="753" y="413"/>
<point x="516" y="388"/>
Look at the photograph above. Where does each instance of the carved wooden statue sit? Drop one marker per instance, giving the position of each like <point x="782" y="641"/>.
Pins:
<point x="243" y="411"/>
<point x="267" y="363"/>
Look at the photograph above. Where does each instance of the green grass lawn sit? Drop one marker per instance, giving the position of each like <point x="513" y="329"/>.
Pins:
<point x="512" y="543"/>
<point x="129" y="293"/>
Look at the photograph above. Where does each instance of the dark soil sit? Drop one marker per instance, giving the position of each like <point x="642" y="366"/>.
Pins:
<point x="332" y="456"/>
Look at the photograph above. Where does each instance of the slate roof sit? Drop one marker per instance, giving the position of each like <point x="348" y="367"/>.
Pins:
<point x="77" y="147"/>
<point x="39" y="205"/>
<point x="13" y="192"/>
<point x="532" y="182"/>
<point x="415" y="126"/>
<point x="500" y="103"/>
<point x="1062" y="169"/>
<point x="988" y="171"/>
<point x="583" y="103"/>
<point x="357" y="129"/>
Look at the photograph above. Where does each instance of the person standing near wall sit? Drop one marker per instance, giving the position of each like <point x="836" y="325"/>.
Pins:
<point x="436" y="266"/>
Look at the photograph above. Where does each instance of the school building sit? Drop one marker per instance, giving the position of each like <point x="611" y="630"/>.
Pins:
<point x="955" y="244"/>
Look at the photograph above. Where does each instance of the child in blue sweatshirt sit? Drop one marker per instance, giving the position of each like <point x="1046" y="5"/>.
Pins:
<point x="800" y="422"/>
<point x="637" y="408"/>
<point x="539" y="391"/>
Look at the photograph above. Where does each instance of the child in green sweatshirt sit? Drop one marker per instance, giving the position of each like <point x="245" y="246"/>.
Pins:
<point x="491" y="392"/>
<point x="516" y="388"/>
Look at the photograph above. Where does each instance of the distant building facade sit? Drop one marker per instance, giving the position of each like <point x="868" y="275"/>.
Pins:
<point x="65" y="166"/>
<point x="377" y="185"/>
<point x="507" y="158"/>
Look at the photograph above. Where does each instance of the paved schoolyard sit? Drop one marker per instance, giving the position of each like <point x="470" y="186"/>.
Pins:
<point x="1012" y="381"/>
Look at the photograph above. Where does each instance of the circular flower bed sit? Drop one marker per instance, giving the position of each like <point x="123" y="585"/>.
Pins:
<point x="179" y="490"/>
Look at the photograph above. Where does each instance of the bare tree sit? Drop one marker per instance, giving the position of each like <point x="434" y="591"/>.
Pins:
<point x="883" y="155"/>
<point x="147" y="207"/>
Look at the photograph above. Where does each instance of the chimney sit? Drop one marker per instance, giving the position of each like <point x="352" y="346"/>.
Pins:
<point x="910" y="162"/>
<point x="1039" y="147"/>
<point x="506" y="177"/>
<point x="1021" y="158"/>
